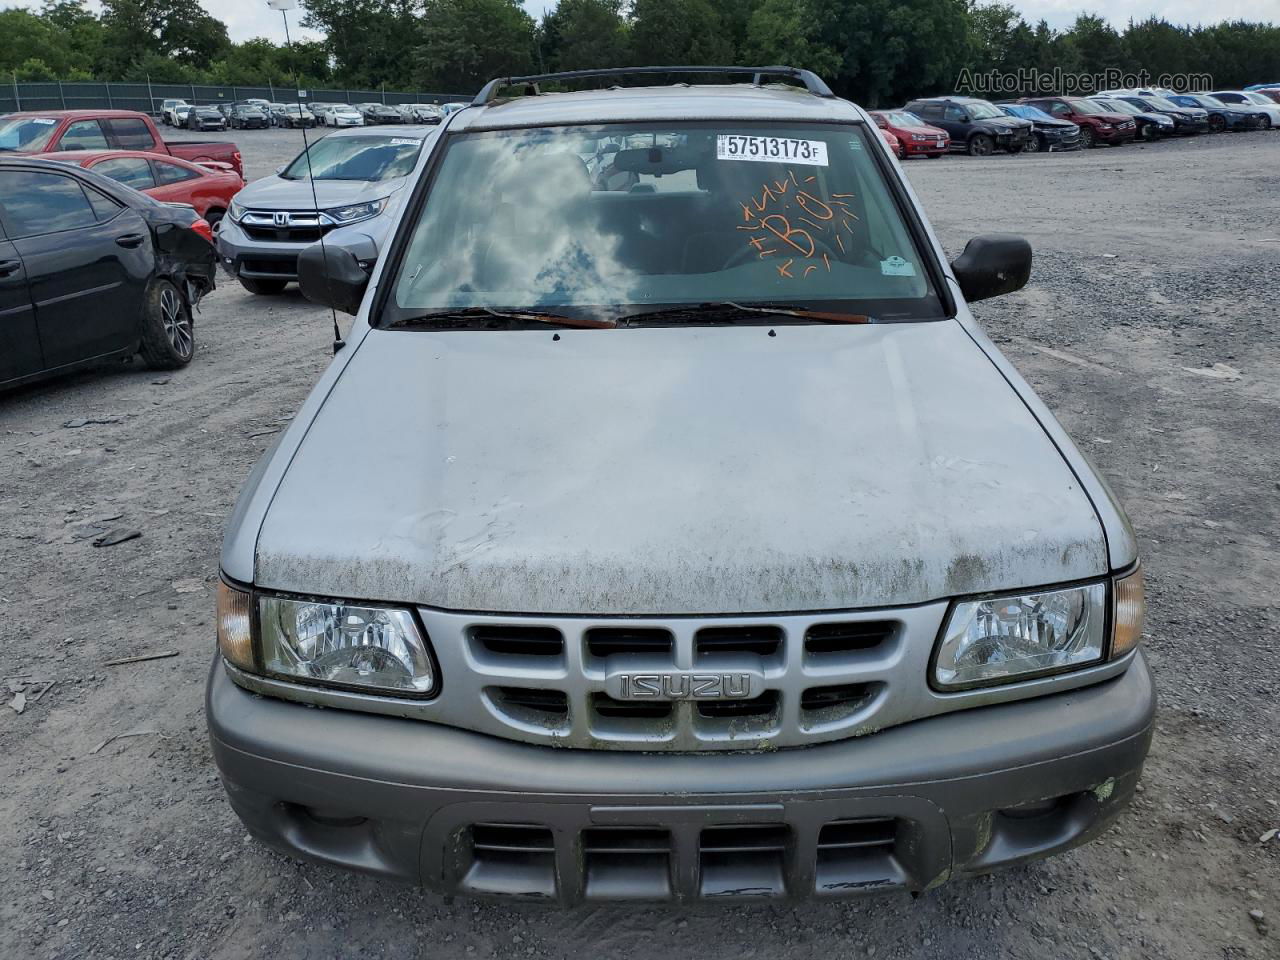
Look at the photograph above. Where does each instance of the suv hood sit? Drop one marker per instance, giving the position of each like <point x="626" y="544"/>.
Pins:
<point x="674" y="470"/>
<point x="276" y="193"/>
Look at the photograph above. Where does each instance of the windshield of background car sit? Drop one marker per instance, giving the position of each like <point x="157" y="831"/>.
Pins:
<point x="900" y="118"/>
<point x="1087" y="108"/>
<point x="983" y="111"/>
<point x="357" y="158"/>
<point x="26" y="134"/>
<point x="1118" y="106"/>
<point x="619" y="218"/>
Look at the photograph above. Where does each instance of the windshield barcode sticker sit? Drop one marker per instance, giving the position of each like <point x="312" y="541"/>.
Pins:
<point x="731" y="146"/>
<point x="403" y="141"/>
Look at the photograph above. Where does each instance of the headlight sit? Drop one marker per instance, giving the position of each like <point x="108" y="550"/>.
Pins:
<point x="921" y="136"/>
<point x="235" y="211"/>
<point x="1104" y="126"/>
<point x="345" y="645"/>
<point x="356" y="211"/>
<point x="1004" y="639"/>
<point x="378" y="649"/>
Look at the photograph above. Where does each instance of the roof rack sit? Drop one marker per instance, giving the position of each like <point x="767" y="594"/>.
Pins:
<point x="812" y="82"/>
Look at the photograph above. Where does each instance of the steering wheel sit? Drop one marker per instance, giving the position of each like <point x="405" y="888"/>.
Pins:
<point x="749" y="252"/>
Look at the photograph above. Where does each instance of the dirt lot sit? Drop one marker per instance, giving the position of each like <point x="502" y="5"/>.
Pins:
<point x="1151" y="327"/>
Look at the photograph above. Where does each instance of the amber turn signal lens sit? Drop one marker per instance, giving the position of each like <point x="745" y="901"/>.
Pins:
<point x="1127" y="615"/>
<point x="235" y="636"/>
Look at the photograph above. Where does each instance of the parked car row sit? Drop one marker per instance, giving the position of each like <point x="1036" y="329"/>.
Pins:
<point x="932" y="126"/>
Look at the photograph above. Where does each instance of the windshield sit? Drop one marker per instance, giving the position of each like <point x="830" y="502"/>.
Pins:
<point x="1027" y="112"/>
<point x="1087" y="108"/>
<point x="619" y="218"/>
<point x="1189" y="101"/>
<point x="1118" y="106"/>
<point x="980" y="110"/>
<point x="26" y="134"/>
<point x="357" y="158"/>
<point x="1259" y="98"/>
<point x="900" y="118"/>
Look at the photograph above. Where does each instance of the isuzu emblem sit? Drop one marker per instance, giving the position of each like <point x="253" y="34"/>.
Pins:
<point x="685" y="685"/>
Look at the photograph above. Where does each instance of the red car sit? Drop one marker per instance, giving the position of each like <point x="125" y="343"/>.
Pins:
<point x="916" y="137"/>
<point x="52" y="131"/>
<point x="893" y="143"/>
<point x="207" y="187"/>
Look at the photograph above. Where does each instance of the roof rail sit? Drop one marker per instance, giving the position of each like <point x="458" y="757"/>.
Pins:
<point x="812" y="82"/>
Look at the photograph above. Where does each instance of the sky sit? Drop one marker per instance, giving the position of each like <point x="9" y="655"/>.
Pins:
<point x="252" y="18"/>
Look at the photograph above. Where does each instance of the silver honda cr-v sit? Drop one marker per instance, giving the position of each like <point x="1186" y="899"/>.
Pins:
<point x="668" y="529"/>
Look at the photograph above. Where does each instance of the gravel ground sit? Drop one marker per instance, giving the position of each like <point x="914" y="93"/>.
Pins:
<point x="1150" y="327"/>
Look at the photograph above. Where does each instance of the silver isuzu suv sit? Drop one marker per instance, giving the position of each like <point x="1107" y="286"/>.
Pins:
<point x="668" y="529"/>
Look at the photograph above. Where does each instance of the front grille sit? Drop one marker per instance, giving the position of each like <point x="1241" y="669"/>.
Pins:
<point x="744" y="860"/>
<point x="857" y="854"/>
<point x="518" y="641"/>
<point x="282" y="234"/>
<point x="682" y="683"/>
<point x="626" y="863"/>
<point x="840" y="639"/>
<point x="284" y="269"/>
<point x="610" y="642"/>
<point x="718" y="858"/>
<point x="517" y="859"/>
<point x="763" y="641"/>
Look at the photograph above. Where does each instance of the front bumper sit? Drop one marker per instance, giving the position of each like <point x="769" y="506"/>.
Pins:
<point x="905" y="808"/>
<point x="242" y="256"/>
<point x="917" y="148"/>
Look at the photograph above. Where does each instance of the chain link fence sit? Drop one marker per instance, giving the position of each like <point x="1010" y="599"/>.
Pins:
<point x="147" y="97"/>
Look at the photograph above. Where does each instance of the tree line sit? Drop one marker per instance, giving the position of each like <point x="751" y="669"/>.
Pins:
<point x="873" y="51"/>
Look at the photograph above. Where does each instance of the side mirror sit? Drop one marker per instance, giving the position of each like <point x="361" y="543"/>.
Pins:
<point x="336" y="274"/>
<point x="993" y="265"/>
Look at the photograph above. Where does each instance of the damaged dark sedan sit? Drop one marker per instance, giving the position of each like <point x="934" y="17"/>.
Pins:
<point x="92" y="270"/>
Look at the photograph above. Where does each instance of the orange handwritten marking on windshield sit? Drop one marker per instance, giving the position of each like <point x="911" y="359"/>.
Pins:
<point x="847" y="196"/>
<point x="805" y="199"/>
<point x="767" y="217"/>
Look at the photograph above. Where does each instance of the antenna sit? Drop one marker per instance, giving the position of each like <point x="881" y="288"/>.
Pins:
<point x="284" y="6"/>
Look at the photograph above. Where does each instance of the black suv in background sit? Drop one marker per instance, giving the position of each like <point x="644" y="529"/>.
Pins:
<point x="205" y="118"/>
<point x="378" y="113"/>
<point x="249" y="116"/>
<point x="977" y="127"/>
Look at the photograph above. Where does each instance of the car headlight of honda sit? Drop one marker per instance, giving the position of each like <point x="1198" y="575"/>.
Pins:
<point x="354" y="212"/>
<point x="1013" y="637"/>
<point x="327" y="643"/>
<point x="235" y="210"/>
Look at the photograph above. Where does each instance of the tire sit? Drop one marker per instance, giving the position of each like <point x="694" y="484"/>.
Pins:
<point x="213" y="215"/>
<point x="902" y="153"/>
<point x="1217" y="123"/>
<point x="263" y="287"/>
<point x="168" y="329"/>
<point x="980" y="145"/>
<point x="1266" y="124"/>
<point x="1037" y="144"/>
<point x="1087" y="138"/>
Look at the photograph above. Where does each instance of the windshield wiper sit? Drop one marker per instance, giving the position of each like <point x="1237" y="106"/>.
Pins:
<point x="471" y="313"/>
<point x="726" y="311"/>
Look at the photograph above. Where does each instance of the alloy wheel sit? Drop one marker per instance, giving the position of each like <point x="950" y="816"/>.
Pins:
<point x="177" y="325"/>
